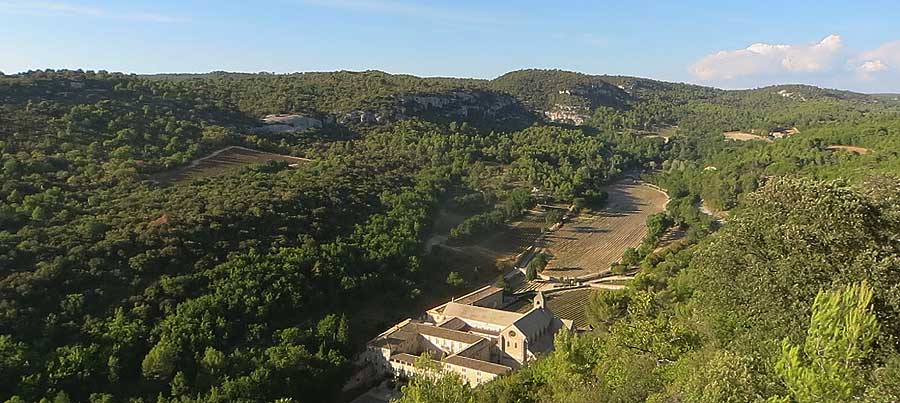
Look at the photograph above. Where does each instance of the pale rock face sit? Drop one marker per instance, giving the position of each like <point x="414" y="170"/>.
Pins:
<point x="284" y="123"/>
<point x="364" y="117"/>
<point x="567" y="114"/>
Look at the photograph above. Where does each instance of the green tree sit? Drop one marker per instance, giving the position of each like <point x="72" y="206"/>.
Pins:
<point x="159" y="363"/>
<point x="454" y="279"/>
<point x="435" y="386"/>
<point x="606" y="307"/>
<point x="831" y="364"/>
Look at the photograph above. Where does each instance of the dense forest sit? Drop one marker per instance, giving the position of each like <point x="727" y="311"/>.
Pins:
<point x="250" y="285"/>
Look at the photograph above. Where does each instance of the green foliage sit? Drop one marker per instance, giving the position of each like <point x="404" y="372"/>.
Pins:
<point x="245" y="286"/>
<point x="828" y="367"/>
<point x="605" y="308"/>
<point x="538" y="262"/>
<point x="454" y="279"/>
<point x="160" y="361"/>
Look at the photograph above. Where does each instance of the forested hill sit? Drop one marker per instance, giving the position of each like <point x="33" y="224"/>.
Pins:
<point x="260" y="279"/>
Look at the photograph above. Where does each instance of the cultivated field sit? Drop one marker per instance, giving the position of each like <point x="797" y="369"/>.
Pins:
<point x="743" y="136"/>
<point x="503" y="244"/>
<point x="514" y="239"/>
<point x="220" y="162"/>
<point x="591" y="242"/>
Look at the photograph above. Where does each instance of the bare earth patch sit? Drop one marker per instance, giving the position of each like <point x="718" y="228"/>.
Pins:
<point x="744" y="136"/>
<point x="853" y="149"/>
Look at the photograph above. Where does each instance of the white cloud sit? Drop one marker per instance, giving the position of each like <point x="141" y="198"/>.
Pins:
<point x="769" y="59"/>
<point x="872" y="66"/>
<point x="64" y="9"/>
<point x="876" y="62"/>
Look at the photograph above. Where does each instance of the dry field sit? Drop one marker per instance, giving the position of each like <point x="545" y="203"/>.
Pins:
<point x="220" y="162"/>
<point x="591" y="242"/>
<point x="503" y="244"/>
<point x="514" y="239"/>
<point x="743" y="136"/>
<point x="853" y="149"/>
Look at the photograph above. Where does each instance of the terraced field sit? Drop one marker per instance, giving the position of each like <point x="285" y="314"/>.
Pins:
<point x="220" y="162"/>
<point x="590" y="243"/>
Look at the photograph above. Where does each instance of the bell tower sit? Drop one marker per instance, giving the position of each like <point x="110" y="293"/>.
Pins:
<point x="539" y="300"/>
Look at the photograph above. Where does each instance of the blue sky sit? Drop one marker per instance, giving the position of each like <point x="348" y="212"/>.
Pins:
<point x="835" y="44"/>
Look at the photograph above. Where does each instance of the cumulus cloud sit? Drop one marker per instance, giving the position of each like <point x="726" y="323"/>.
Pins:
<point x="768" y="59"/>
<point x="885" y="58"/>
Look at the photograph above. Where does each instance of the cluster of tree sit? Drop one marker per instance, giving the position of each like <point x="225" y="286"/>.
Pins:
<point x="718" y="172"/>
<point x="233" y="287"/>
<point x="248" y="286"/>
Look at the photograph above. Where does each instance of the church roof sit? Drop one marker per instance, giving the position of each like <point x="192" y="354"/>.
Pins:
<point x="533" y="321"/>
<point x="474" y="297"/>
<point x="486" y="315"/>
<point x="448" y="334"/>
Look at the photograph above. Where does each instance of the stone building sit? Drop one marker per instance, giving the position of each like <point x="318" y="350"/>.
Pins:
<point x="471" y="336"/>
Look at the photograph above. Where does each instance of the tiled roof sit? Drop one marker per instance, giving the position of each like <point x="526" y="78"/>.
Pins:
<point x="533" y="321"/>
<point x="454" y="324"/>
<point x="477" y="365"/>
<point x="481" y="314"/>
<point x="448" y="334"/>
<point x="478" y="295"/>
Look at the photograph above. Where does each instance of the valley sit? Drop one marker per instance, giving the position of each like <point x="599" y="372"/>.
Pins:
<point x="159" y="243"/>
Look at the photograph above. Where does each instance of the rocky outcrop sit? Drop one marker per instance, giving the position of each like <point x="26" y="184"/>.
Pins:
<point x="288" y="123"/>
<point x="574" y="105"/>
<point x="560" y="113"/>
<point x="363" y="117"/>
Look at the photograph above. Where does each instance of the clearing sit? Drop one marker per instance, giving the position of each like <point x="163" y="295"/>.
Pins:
<point x="507" y="243"/>
<point x="220" y="162"/>
<point x="673" y="237"/>
<point x="744" y="136"/>
<point x="709" y="210"/>
<point x="853" y="149"/>
<point x="591" y="242"/>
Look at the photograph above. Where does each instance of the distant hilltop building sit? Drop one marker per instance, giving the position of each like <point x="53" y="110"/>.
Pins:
<point x="470" y="336"/>
<point x="781" y="132"/>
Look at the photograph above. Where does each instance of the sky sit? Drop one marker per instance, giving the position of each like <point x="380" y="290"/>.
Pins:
<point x="846" y="45"/>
